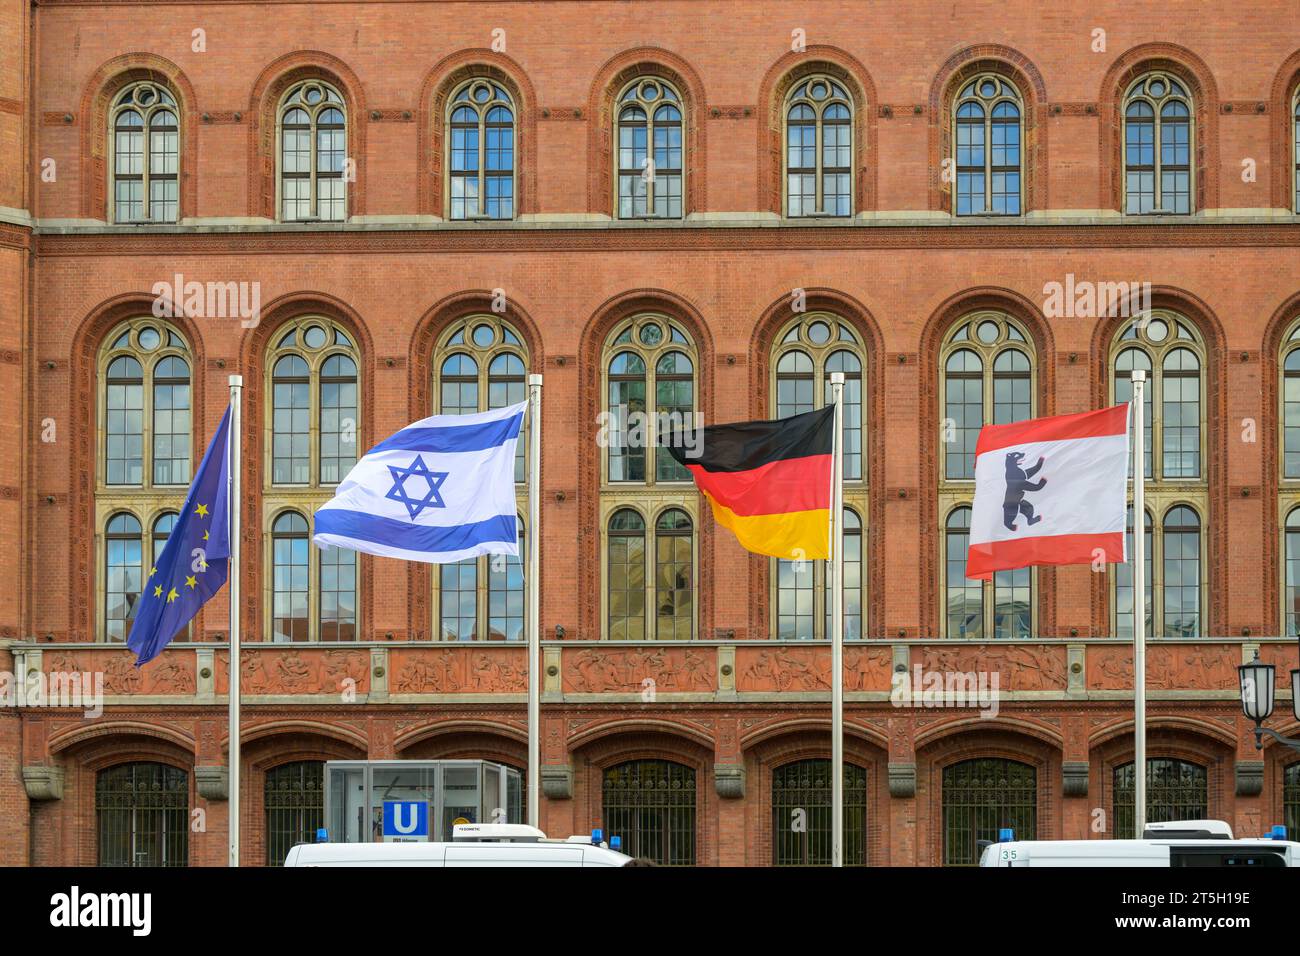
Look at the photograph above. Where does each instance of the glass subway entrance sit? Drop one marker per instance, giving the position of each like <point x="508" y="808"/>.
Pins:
<point x="451" y="791"/>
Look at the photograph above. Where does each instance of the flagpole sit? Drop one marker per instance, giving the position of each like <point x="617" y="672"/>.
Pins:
<point x="232" y="509"/>
<point x="533" y="579"/>
<point x="837" y="625"/>
<point x="1139" y="378"/>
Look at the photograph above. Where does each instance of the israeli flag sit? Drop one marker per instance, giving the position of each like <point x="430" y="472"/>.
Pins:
<point x="437" y="491"/>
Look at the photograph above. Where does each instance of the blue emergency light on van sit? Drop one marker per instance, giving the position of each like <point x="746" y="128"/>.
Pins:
<point x="597" y="835"/>
<point x="1006" y="835"/>
<point x="1278" y="832"/>
<point x="322" y="835"/>
<point x="616" y="843"/>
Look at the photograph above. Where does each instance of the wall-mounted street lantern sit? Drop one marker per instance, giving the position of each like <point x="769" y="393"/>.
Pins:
<point x="1257" y="692"/>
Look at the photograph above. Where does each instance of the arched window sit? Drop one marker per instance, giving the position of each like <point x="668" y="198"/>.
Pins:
<point x="290" y="550"/>
<point x="293" y="796"/>
<point x="987" y="137"/>
<point x="626" y="575"/>
<point x="987" y="372"/>
<point x="1176" y="790"/>
<point x="651" y="164"/>
<point x="313" y="154"/>
<point x="1157" y="146"/>
<point x="674" y="576"/>
<point x="1173" y="576"/>
<point x="314" y="408"/>
<point x="1291" y="591"/>
<point x="146" y="154"/>
<point x="808" y="350"/>
<point x="818" y="149"/>
<point x="1181" y="575"/>
<point x="1124" y="599"/>
<point x="988" y="379"/>
<point x="801" y="814"/>
<point x="162" y="529"/>
<point x="1290" y="411"/>
<point x="481" y="141"/>
<point x="981" y="797"/>
<point x="1171" y="351"/>
<point x="648" y="356"/>
<point x="144" y="368"/>
<point x="1295" y="147"/>
<point x="1291" y="801"/>
<point x="483" y="598"/>
<point x="123" y="574"/>
<point x="651" y="805"/>
<point x="634" y="584"/>
<point x="313" y="590"/>
<point x="142" y="815"/>
<point x="481" y="363"/>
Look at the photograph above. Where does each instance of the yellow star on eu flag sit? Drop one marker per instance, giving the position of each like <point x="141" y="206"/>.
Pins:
<point x="152" y="572"/>
<point x="157" y="590"/>
<point x="172" y="595"/>
<point x="190" y="581"/>
<point x="201" y="511"/>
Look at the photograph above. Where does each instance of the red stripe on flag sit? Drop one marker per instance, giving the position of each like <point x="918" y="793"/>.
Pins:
<point x="983" y="559"/>
<point x="1098" y="424"/>
<point x="778" y="487"/>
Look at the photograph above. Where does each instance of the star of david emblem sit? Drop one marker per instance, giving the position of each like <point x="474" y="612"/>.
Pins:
<point x="417" y="469"/>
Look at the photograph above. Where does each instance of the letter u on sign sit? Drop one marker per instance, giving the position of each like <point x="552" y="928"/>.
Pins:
<point x="406" y="819"/>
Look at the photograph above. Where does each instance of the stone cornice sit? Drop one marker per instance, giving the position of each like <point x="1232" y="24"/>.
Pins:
<point x="606" y="236"/>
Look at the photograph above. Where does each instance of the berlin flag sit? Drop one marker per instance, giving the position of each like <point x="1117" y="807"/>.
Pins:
<point x="1050" y="491"/>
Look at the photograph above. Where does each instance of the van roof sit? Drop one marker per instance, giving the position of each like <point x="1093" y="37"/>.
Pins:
<point x="305" y="854"/>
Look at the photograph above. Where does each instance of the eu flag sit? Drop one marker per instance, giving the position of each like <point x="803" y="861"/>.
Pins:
<point x="194" y="562"/>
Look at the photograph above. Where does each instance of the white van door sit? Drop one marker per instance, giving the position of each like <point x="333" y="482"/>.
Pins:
<point x="512" y="854"/>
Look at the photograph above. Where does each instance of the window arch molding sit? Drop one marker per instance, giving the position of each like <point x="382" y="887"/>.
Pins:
<point x="101" y="91"/>
<point x="613" y="78"/>
<point x="265" y="103"/>
<point x="1019" y="71"/>
<point x="1198" y="80"/>
<point x="1040" y="342"/>
<point x="784" y="75"/>
<point x="1210" y="489"/>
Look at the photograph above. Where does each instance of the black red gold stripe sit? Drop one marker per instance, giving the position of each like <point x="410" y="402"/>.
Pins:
<point x="769" y="482"/>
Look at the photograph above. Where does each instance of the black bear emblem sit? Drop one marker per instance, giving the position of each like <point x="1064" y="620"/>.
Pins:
<point x="1018" y="483"/>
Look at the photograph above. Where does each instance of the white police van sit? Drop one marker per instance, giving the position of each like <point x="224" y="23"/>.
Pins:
<point x="1183" y="843"/>
<point x="473" y="844"/>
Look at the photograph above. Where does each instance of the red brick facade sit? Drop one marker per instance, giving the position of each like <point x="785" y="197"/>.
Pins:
<point x="734" y="704"/>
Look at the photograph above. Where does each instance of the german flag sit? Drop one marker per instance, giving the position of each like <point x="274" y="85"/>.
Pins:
<point x="769" y="482"/>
